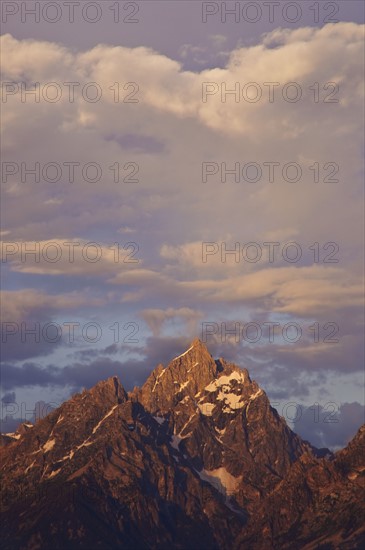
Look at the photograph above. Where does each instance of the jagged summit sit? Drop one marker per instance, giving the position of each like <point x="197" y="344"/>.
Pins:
<point x="185" y="375"/>
<point x="197" y="398"/>
<point x="191" y="376"/>
<point x="105" y="392"/>
<point x="196" y="344"/>
<point x="196" y="348"/>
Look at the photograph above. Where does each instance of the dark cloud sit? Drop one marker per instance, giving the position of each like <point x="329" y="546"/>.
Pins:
<point x="329" y="425"/>
<point x="161" y="349"/>
<point x="27" y="341"/>
<point x="292" y="369"/>
<point x="87" y="354"/>
<point x="28" y="375"/>
<point x="133" y="363"/>
<point x="9" y="397"/>
<point x="76" y="375"/>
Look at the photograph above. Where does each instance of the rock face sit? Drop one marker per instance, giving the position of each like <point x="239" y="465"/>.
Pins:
<point x="195" y="459"/>
<point x="223" y="421"/>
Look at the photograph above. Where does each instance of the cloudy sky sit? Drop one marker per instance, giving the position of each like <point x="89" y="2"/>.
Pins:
<point x="171" y="171"/>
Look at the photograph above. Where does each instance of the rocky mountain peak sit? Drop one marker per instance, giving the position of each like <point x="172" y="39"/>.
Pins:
<point x="110" y="390"/>
<point x="198" y="399"/>
<point x="196" y="458"/>
<point x="185" y="375"/>
<point x="195" y="376"/>
<point x="196" y="351"/>
<point x="197" y="342"/>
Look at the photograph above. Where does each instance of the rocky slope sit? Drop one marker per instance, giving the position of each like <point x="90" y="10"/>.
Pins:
<point x="195" y="459"/>
<point x="223" y="421"/>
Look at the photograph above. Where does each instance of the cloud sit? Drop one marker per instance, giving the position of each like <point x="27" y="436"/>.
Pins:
<point x="68" y="256"/>
<point x="304" y="291"/>
<point x="156" y="318"/>
<point x="95" y="367"/>
<point x="19" y="305"/>
<point x="331" y="425"/>
<point x="305" y="56"/>
<point x="197" y="53"/>
<point x="95" y="364"/>
<point x="8" y="398"/>
<point x="26" y="313"/>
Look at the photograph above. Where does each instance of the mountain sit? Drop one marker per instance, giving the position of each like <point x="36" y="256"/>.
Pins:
<point x="194" y="459"/>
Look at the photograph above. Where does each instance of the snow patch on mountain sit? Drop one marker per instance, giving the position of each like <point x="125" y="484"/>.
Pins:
<point x="225" y="381"/>
<point x="195" y="365"/>
<point x="221" y="479"/>
<point x="157" y="381"/>
<point x="224" y="386"/>
<point x="175" y="441"/>
<point x="206" y="408"/>
<point x="54" y="473"/>
<point x="84" y="444"/>
<point x="49" y="444"/>
<point x="14" y="435"/>
<point x="221" y="432"/>
<point x="159" y="419"/>
<point x="182" y="355"/>
<point x="69" y="456"/>
<point x="29" y="467"/>
<point x="253" y="397"/>
<point x="106" y="416"/>
<point x="256" y="394"/>
<point x="187" y="423"/>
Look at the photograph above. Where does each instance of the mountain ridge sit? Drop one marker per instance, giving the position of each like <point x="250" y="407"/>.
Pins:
<point x="197" y="450"/>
